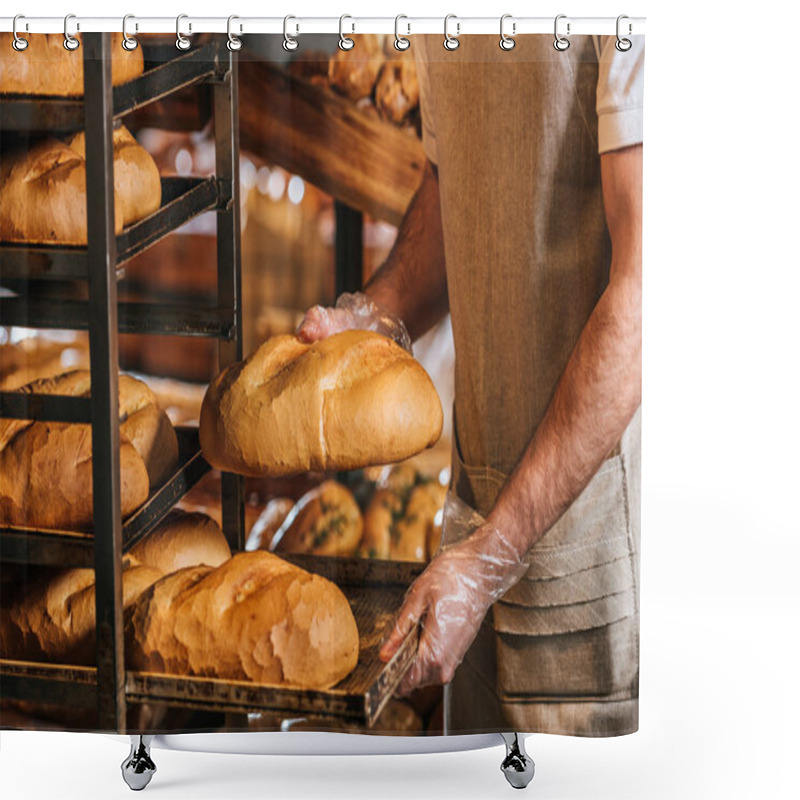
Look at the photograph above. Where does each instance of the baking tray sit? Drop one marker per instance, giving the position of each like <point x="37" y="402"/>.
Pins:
<point x="375" y="591"/>
<point x="167" y="70"/>
<point x="61" y="548"/>
<point x="182" y="199"/>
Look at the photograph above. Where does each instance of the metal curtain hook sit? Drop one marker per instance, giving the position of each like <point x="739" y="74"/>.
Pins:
<point x="182" y="43"/>
<point x="234" y="43"/>
<point x="128" y="42"/>
<point x="19" y="44"/>
<point x="560" y="43"/>
<point x="623" y="45"/>
<point x="70" y="42"/>
<point x="345" y="42"/>
<point x="289" y="42"/>
<point x="507" y="42"/>
<point x="451" y="42"/>
<point x="400" y="42"/>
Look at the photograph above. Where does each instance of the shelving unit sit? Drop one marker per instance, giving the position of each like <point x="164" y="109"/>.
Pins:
<point x="101" y="264"/>
<point x="375" y="590"/>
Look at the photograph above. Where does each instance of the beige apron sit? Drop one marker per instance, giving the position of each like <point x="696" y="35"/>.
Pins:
<point x="527" y="250"/>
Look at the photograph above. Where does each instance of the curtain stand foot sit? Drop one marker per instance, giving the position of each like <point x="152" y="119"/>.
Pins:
<point x="517" y="766"/>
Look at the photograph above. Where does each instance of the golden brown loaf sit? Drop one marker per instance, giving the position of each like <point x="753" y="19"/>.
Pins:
<point x="325" y="522"/>
<point x="353" y="73"/>
<point x="137" y="184"/>
<point x="47" y="68"/>
<point x="43" y="190"/>
<point x="55" y="618"/>
<point x="346" y="402"/>
<point x="268" y="523"/>
<point x="46" y="467"/>
<point x="397" y="90"/>
<point x="255" y="618"/>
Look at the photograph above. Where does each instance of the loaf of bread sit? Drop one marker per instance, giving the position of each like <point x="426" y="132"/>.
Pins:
<point x="397" y="90"/>
<point x="46" y="467"/>
<point x="40" y="357"/>
<point x="255" y="618"/>
<point x="403" y="519"/>
<point x="261" y="534"/>
<point x="55" y="618"/>
<point x="348" y="401"/>
<point x="137" y="183"/>
<point x="43" y="189"/>
<point x="325" y="522"/>
<point x="46" y="67"/>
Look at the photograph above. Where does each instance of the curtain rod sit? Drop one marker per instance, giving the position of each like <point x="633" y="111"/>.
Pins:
<point x="297" y="26"/>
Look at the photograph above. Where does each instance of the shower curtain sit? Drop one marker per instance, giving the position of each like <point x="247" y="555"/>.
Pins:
<point x="227" y="237"/>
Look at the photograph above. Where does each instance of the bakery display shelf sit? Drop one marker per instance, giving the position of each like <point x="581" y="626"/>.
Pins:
<point x="76" y="548"/>
<point x="56" y="408"/>
<point x="56" y="684"/>
<point x="182" y="199"/>
<point x="163" y="319"/>
<point x="167" y="70"/>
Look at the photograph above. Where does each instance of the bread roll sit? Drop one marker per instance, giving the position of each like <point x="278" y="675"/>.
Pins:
<point x="325" y="522"/>
<point x="46" y="467"/>
<point x="348" y="401"/>
<point x="255" y="618"/>
<point x="353" y="72"/>
<point x="137" y="184"/>
<point x="39" y="357"/>
<point x="47" y="68"/>
<point x="182" y="539"/>
<point x="269" y="522"/>
<point x="397" y="90"/>
<point x="55" y="618"/>
<point x="43" y="190"/>
<point x="383" y="510"/>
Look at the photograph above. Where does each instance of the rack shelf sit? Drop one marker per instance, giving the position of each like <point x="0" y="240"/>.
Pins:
<point x="182" y="199"/>
<point x="76" y="548"/>
<point x="165" y="73"/>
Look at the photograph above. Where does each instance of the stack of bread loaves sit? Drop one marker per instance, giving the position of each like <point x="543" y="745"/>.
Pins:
<point x="191" y="609"/>
<point x="43" y="189"/>
<point x="46" y="467"/>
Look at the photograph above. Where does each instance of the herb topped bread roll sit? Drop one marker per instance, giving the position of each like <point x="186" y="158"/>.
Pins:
<point x="256" y="617"/>
<point x="346" y="402"/>
<point x="46" y="467"/>
<point x="325" y="522"/>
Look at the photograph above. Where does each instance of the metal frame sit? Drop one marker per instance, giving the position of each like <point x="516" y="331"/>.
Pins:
<point x="99" y="263"/>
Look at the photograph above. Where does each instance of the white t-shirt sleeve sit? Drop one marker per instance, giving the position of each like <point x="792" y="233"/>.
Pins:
<point x="620" y="87"/>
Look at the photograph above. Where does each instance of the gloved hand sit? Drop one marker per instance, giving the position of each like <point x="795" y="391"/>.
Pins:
<point x="353" y="311"/>
<point x="453" y="594"/>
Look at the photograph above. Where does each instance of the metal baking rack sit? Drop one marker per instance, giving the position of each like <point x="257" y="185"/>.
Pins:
<point x="374" y="589"/>
<point x="100" y="263"/>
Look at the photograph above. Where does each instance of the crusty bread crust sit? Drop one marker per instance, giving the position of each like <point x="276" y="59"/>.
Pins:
<point x="346" y="402"/>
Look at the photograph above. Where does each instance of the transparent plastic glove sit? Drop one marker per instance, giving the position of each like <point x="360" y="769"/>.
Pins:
<point x="476" y="566"/>
<point x="353" y="312"/>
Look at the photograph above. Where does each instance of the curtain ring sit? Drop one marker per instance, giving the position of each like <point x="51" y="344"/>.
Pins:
<point x="623" y="45"/>
<point x="507" y="42"/>
<point x="345" y="42"/>
<point x="289" y="42"/>
<point x="400" y="42"/>
<point x="451" y="42"/>
<point x="182" y="43"/>
<point x="128" y="42"/>
<point x="70" y="42"/>
<point x="19" y="44"/>
<point x="234" y="43"/>
<point x="560" y="43"/>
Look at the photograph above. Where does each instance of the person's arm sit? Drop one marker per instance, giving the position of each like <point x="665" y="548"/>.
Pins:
<point x="601" y="386"/>
<point x="594" y="401"/>
<point x="411" y="284"/>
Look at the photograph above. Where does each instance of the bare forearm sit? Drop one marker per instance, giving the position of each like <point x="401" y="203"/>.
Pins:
<point x="412" y="282"/>
<point x="600" y="389"/>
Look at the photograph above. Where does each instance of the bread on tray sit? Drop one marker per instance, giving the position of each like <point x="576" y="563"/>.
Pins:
<point x="46" y="467"/>
<point x="54" y="620"/>
<point x="43" y="189"/>
<point x="256" y="617"/>
<point x="348" y="401"/>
